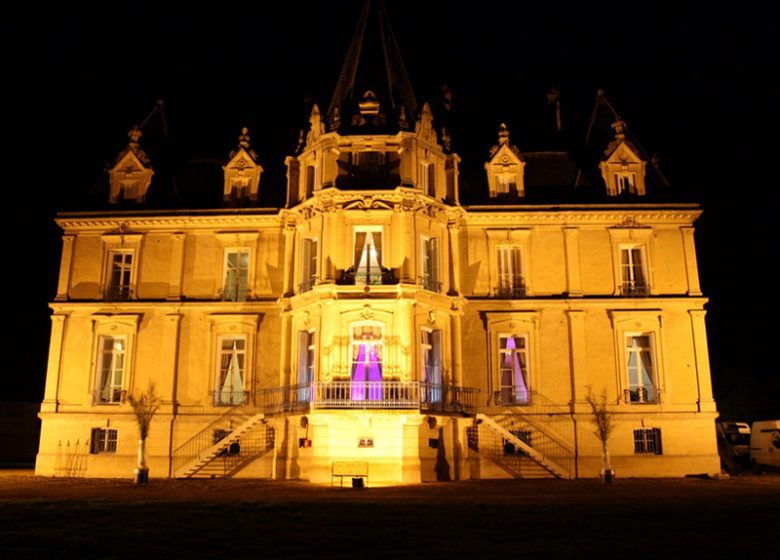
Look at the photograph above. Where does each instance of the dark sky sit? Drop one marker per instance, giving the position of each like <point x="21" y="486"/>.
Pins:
<point x="692" y="81"/>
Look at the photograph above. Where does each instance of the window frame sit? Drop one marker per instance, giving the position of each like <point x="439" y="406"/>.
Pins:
<point x="222" y="326"/>
<point x="643" y="396"/>
<point x="645" y="445"/>
<point x="227" y="251"/>
<point x="636" y="238"/>
<point x="626" y="323"/>
<point x="523" y="324"/>
<point x="501" y="353"/>
<point x="430" y="279"/>
<point x="383" y="357"/>
<point x="117" y="391"/>
<point x="235" y="242"/>
<point x="369" y="278"/>
<point x="502" y="237"/>
<point x="106" y="442"/>
<point x="122" y="291"/>
<point x="631" y="287"/>
<point x="235" y="397"/>
<point x="309" y="273"/>
<point x="123" y="326"/>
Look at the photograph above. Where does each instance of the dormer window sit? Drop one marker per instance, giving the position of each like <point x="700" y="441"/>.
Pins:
<point x="242" y="172"/>
<point x="505" y="168"/>
<point x="131" y="175"/>
<point x="622" y="169"/>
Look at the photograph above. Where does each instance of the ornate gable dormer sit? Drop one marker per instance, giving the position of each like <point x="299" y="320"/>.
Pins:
<point x="505" y="168"/>
<point x="242" y="172"/>
<point x="131" y="175"/>
<point x="622" y="168"/>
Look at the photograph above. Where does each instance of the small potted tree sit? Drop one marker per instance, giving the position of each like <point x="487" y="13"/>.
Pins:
<point x="144" y="408"/>
<point x="602" y="419"/>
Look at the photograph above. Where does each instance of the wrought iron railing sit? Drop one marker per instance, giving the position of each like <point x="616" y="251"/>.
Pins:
<point x="229" y="398"/>
<point x="430" y="284"/>
<point x="512" y="396"/>
<point x="112" y="396"/>
<point x="118" y="293"/>
<point x="352" y="277"/>
<point x="307" y="284"/>
<point x="513" y="290"/>
<point x="630" y="288"/>
<point x="204" y="439"/>
<point x="368" y="394"/>
<point x="641" y="395"/>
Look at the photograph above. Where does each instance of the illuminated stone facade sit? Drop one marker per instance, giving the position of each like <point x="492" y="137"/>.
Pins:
<point x="375" y="318"/>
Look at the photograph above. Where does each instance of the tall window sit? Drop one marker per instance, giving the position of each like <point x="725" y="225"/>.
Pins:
<point x="641" y="373"/>
<point x="513" y="369"/>
<point x="625" y="182"/>
<point x="430" y="349"/>
<point x="368" y="256"/>
<point x="103" y="440"/>
<point x="366" y="364"/>
<point x="309" y="265"/>
<point x="236" y="275"/>
<point x="306" y="363"/>
<point x="231" y="377"/>
<point x="120" y="270"/>
<point x="510" y="279"/>
<point x="632" y="272"/>
<point x="428" y="178"/>
<point x="430" y="264"/>
<point x="112" y="352"/>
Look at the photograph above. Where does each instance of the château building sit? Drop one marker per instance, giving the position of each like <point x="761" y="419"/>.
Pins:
<point x="375" y="322"/>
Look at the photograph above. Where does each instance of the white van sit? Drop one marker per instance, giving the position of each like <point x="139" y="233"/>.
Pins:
<point x="765" y="445"/>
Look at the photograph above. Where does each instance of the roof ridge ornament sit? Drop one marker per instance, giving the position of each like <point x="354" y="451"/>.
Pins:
<point x="503" y="134"/>
<point x="243" y="144"/>
<point x="619" y="125"/>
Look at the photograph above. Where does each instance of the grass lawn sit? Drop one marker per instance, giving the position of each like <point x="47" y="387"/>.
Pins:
<point x="634" y="518"/>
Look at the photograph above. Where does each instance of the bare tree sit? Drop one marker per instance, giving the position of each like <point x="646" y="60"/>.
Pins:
<point x="603" y="420"/>
<point x="144" y="408"/>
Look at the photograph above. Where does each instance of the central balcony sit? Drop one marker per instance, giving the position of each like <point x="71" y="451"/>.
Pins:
<point x="407" y="395"/>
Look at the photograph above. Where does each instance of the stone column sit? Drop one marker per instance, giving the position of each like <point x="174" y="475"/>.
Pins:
<point x="577" y="356"/>
<point x="454" y="234"/>
<point x="702" y="356"/>
<point x="573" y="275"/>
<point x="691" y="266"/>
<point x="63" y="284"/>
<point x="176" y="267"/>
<point x="51" y="391"/>
<point x="289" y="265"/>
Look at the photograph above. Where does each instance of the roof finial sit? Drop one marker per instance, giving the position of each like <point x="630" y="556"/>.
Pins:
<point x="134" y="135"/>
<point x="503" y="134"/>
<point x="618" y="125"/>
<point x="243" y="139"/>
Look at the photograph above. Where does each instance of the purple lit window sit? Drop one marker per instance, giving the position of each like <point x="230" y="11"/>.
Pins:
<point x="513" y="371"/>
<point x="366" y="363"/>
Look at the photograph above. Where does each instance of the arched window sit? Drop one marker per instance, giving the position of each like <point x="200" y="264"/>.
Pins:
<point x="366" y="361"/>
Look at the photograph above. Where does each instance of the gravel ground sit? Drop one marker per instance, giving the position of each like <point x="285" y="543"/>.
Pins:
<point x="639" y="518"/>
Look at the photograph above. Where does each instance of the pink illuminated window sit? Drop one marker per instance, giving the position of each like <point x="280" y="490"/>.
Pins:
<point x="513" y="369"/>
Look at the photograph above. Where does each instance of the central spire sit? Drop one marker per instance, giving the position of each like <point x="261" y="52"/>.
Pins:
<point x="373" y="88"/>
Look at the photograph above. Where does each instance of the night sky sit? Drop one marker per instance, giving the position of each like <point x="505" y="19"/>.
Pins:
<point x="692" y="81"/>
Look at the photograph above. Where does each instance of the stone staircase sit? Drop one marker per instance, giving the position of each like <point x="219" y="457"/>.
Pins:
<point x="521" y="447"/>
<point x="218" y="450"/>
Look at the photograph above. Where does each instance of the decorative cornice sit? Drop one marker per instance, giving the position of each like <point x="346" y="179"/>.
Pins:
<point x="137" y="224"/>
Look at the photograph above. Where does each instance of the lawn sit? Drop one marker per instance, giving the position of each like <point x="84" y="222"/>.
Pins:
<point x="634" y="518"/>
